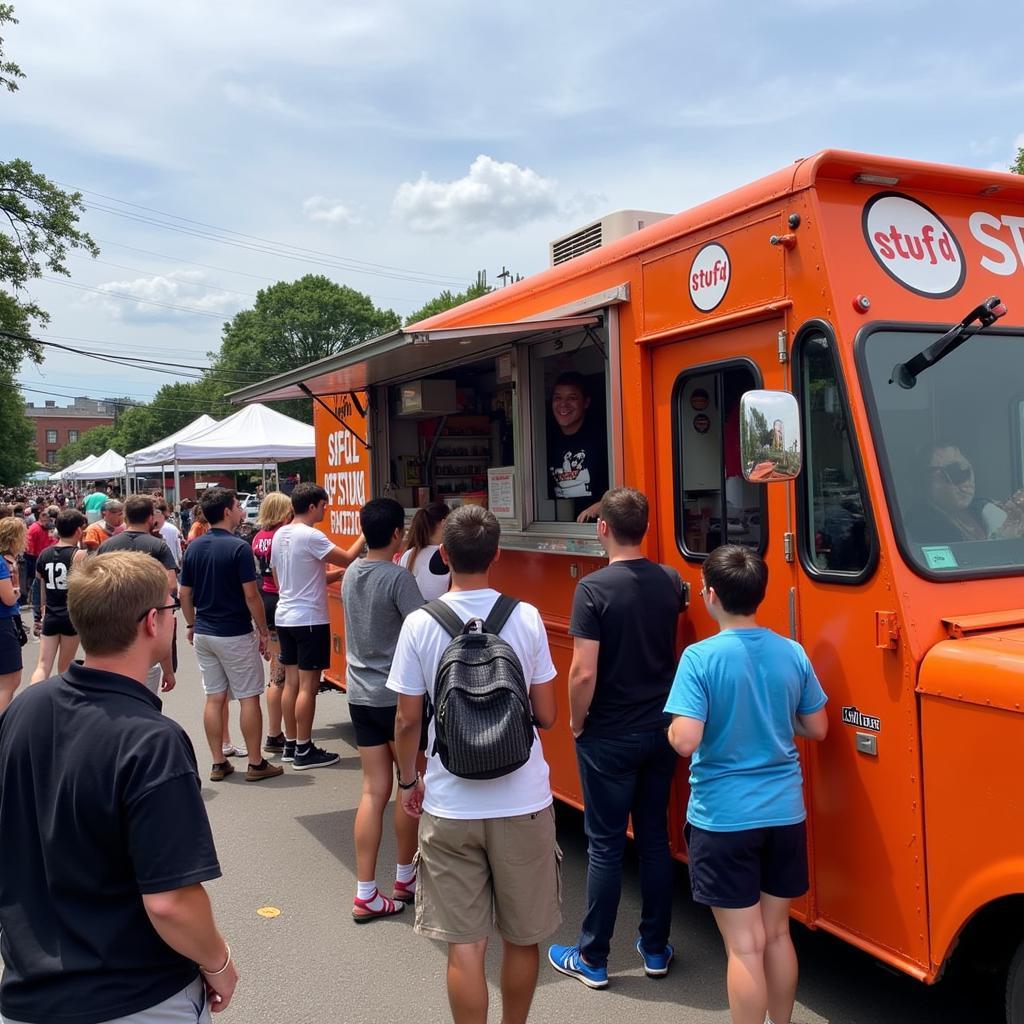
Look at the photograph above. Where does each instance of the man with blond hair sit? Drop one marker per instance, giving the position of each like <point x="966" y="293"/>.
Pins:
<point x="102" y="797"/>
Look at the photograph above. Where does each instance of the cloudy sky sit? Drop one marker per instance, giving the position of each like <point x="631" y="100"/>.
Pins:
<point x="400" y="147"/>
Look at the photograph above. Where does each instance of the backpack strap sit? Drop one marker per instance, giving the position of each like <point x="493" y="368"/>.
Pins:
<point x="500" y="613"/>
<point x="439" y="611"/>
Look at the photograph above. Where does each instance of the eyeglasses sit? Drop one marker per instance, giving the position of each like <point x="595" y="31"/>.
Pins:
<point x="173" y="606"/>
<point x="955" y="473"/>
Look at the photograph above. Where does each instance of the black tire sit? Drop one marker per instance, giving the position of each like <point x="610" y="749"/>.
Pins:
<point x="1015" y="988"/>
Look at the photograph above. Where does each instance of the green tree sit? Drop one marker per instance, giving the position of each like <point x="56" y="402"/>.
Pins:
<point x="1018" y="165"/>
<point x="448" y="300"/>
<point x="38" y="227"/>
<point x="93" y="442"/>
<point x="17" y="456"/>
<point x="291" y="324"/>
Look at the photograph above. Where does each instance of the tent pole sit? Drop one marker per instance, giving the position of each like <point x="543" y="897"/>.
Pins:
<point x="177" y="483"/>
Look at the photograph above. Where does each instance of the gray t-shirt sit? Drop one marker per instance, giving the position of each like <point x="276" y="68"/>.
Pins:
<point x="376" y="596"/>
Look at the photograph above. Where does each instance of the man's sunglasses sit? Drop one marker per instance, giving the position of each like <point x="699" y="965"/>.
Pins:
<point x="955" y="473"/>
<point x="173" y="606"/>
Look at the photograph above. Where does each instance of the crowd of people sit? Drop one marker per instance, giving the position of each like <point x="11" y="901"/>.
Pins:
<point x="449" y="684"/>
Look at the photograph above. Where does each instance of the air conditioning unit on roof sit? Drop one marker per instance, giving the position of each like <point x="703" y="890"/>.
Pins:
<point x="608" y="229"/>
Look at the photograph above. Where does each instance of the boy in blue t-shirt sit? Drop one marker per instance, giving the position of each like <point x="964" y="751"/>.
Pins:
<point x="738" y="699"/>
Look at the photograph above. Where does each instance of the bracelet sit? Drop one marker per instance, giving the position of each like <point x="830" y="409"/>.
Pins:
<point x="213" y="974"/>
<point x="408" y="785"/>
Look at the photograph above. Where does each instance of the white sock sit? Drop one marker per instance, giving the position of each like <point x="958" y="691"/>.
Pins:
<point x="368" y="891"/>
<point x="289" y="739"/>
<point x="405" y="873"/>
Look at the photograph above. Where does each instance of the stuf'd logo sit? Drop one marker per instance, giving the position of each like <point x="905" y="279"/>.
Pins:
<point x="914" y="245"/>
<point x="710" y="274"/>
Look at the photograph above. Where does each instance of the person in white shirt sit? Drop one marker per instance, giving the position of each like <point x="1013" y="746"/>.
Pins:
<point x="487" y="846"/>
<point x="422" y="555"/>
<point x="298" y="560"/>
<point x="170" y="533"/>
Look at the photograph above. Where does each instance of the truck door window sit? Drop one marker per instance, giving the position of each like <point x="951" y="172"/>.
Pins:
<point x="836" y="531"/>
<point x="714" y="505"/>
<point x="950" y="449"/>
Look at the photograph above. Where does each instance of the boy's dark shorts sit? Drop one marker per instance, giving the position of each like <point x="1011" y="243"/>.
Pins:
<point x="309" y="647"/>
<point x="57" y="624"/>
<point x="269" y="608"/>
<point x="376" y="726"/>
<point x="731" y="869"/>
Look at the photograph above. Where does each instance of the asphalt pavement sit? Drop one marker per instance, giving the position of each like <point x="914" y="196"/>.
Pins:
<point x="285" y="845"/>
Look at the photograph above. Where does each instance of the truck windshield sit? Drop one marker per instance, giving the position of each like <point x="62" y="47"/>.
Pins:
<point x="952" y="450"/>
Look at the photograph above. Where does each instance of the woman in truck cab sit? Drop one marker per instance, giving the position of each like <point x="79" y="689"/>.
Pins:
<point x="951" y="511"/>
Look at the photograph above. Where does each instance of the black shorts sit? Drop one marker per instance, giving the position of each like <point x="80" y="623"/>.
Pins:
<point x="309" y="647"/>
<point x="376" y="726"/>
<point x="10" y="646"/>
<point x="731" y="869"/>
<point x="269" y="607"/>
<point x="58" y="624"/>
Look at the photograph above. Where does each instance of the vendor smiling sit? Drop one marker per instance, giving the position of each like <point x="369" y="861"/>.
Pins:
<point x="577" y="449"/>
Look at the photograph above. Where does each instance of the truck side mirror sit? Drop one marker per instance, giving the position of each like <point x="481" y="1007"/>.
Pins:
<point x="770" y="444"/>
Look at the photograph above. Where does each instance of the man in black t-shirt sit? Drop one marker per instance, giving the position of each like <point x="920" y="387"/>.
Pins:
<point x="139" y="514"/>
<point x="577" y="449"/>
<point x="106" y="844"/>
<point x="624" y="623"/>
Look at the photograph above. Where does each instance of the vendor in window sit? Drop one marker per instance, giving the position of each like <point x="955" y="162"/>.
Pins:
<point x="577" y="451"/>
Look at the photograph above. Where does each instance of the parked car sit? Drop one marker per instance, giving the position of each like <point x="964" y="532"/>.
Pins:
<point x="251" y="504"/>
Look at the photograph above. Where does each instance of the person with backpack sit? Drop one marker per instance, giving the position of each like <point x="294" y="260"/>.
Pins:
<point x="480" y="662"/>
<point x="377" y="595"/>
<point x="624" y="623"/>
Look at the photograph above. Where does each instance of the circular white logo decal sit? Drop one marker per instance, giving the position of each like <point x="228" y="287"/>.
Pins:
<point x="710" y="274"/>
<point x="914" y="245"/>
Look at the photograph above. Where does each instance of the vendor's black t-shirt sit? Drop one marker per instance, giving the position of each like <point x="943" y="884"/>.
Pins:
<point x="215" y="566"/>
<point x="101" y="804"/>
<point x="54" y="567"/>
<point x="578" y="463"/>
<point x="631" y="607"/>
<point x="136" y="540"/>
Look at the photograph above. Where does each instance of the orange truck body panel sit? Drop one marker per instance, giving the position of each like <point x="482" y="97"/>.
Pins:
<point x="908" y="845"/>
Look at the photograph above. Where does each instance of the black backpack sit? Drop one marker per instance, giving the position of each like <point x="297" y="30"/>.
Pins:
<point x="483" y="721"/>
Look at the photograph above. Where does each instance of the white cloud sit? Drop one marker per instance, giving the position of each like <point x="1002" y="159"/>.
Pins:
<point x="329" y="211"/>
<point x="494" y="194"/>
<point x="176" y="296"/>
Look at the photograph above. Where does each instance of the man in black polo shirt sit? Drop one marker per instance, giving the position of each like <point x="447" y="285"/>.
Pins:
<point x="139" y="514"/>
<point x="624" y="621"/>
<point x="220" y="600"/>
<point x="103" y="914"/>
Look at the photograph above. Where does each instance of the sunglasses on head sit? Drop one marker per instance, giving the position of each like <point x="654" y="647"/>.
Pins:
<point x="955" y="472"/>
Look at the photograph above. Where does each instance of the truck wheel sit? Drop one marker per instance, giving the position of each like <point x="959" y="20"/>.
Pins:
<point x="1015" y="988"/>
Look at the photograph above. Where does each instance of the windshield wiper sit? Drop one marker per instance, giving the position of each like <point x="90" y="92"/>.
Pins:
<point x="906" y="374"/>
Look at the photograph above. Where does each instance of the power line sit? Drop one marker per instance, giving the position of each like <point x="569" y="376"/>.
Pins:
<point x="257" y="238"/>
<point x="163" y="277"/>
<point x="133" y="298"/>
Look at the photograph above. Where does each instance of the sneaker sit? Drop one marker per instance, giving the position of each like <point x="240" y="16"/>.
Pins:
<point x="569" y="960"/>
<point x="314" y="757"/>
<point x="288" y="751"/>
<point x="219" y="772"/>
<point x="275" y="745"/>
<point x="656" y="964"/>
<point x="263" y="770"/>
<point x="230" y="750"/>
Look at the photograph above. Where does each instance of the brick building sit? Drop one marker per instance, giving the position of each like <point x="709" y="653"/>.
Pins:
<point x="57" y="426"/>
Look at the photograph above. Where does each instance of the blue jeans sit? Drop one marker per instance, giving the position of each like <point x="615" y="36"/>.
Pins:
<point x="622" y="776"/>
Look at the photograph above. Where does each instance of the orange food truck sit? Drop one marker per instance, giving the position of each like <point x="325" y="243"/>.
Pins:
<point x="863" y="314"/>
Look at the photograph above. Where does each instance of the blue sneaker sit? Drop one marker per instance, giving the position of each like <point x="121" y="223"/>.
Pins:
<point x="655" y="964"/>
<point x="569" y="960"/>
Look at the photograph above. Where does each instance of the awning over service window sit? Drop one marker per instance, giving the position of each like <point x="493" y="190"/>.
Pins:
<point x="403" y="353"/>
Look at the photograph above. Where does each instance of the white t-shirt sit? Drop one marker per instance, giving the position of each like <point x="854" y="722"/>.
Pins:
<point x="431" y="586"/>
<point x="172" y="538"/>
<point x="298" y="559"/>
<point x="420" y="646"/>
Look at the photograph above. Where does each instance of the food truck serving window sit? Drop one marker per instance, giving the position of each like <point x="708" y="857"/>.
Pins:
<point x="952" y="449"/>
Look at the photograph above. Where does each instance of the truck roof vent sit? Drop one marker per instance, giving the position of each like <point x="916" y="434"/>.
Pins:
<point x="608" y="229"/>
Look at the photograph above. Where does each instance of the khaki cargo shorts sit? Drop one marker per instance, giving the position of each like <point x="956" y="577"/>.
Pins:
<point x="485" y="874"/>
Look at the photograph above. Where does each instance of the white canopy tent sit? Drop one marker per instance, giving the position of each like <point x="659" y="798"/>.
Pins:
<point x="161" y="452"/>
<point x="64" y="473"/>
<point x="102" y="467"/>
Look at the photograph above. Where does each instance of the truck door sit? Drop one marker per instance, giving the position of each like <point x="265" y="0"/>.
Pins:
<point x="701" y="498"/>
<point x="865" y="820"/>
